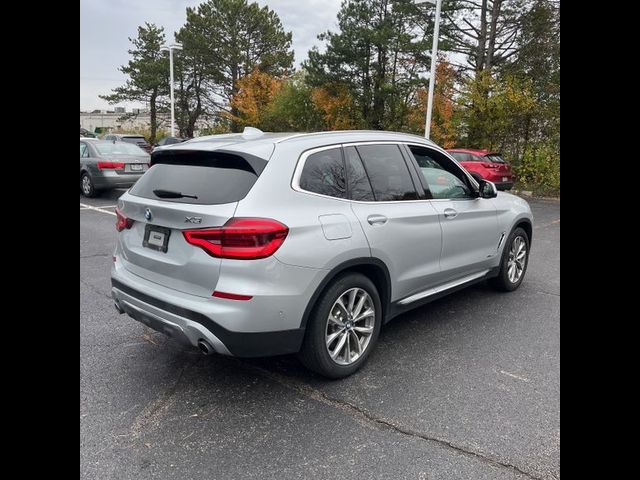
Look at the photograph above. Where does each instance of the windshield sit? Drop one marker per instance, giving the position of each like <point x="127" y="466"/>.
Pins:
<point x="119" y="148"/>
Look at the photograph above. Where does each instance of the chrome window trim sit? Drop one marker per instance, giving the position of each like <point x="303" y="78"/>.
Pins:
<point x="297" y="173"/>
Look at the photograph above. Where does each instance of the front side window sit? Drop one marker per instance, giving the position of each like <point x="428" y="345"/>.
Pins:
<point x="442" y="176"/>
<point x="387" y="172"/>
<point x="324" y="173"/>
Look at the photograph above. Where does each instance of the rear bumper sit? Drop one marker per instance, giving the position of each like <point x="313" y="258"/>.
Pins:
<point x="189" y="327"/>
<point x="116" y="180"/>
<point x="266" y="325"/>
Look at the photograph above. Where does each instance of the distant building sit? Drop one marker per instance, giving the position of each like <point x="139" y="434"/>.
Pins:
<point x="120" y="110"/>
<point x="114" y="121"/>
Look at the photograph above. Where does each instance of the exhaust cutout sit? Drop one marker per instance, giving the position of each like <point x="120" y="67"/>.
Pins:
<point x="205" y="348"/>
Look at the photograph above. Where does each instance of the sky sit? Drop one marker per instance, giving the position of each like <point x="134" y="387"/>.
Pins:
<point x="105" y="27"/>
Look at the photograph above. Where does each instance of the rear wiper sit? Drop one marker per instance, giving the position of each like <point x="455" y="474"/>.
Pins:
<point x="172" y="194"/>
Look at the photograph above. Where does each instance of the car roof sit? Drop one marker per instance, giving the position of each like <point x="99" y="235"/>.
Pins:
<point x="480" y="152"/>
<point x="256" y="142"/>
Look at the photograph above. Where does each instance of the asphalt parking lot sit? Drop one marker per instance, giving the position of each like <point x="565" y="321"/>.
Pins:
<point x="467" y="387"/>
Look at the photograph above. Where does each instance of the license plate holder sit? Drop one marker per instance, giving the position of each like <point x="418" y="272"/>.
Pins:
<point x="156" y="238"/>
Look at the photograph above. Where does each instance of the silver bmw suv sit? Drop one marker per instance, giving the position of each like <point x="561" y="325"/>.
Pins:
<point x="259" y="244"/>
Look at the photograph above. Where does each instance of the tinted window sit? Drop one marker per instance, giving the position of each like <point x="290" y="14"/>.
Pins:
<point x="465" y="157"/>
<point x="83" y="150"/>
<point x="442" y="176"/>
<point x="323" y="173"/>
<point x="134" y="139"/>
<point x="359" y="185"/>
<point x="495" y="158"/>
<point x="213" y="177"/>
<point x="387" y="172"/>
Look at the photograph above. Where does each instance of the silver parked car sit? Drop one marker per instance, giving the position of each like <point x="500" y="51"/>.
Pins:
<point x="262" y="244"/>
<point x="106" y="165"/>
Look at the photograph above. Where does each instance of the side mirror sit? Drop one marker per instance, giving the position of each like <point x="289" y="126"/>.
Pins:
<point x="487" y="189"/>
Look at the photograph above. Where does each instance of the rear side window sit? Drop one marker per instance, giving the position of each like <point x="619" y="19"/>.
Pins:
<point x="465" y="157"/>
<point x="323" y="173"/>
<point x="212" y="177"/>
<point x="359" y="185"/>
<point x="83" y="150"/>
<point x="387" y="172"/>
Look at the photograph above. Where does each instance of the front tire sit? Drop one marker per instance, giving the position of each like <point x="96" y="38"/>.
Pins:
<point x="343" y="327"/>
<point x="513" y="265"/>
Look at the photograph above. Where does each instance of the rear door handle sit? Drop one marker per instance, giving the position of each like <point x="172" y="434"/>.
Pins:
<point x="450" y="213"/>
<point x="376" y="219"/>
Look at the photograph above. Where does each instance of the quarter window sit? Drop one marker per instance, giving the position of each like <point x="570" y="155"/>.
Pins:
<point x="83" y="150"/>
<point x="324" y="173"/>
<point x="387" y="172"/>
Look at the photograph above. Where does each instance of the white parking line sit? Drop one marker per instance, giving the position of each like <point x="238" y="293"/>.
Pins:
<point x="97" y="209"/>
<point x="513" y="375"/>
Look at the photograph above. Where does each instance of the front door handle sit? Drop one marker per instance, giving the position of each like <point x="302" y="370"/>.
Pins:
<point x="450" y="213"/>
<point x="376" y="219"/>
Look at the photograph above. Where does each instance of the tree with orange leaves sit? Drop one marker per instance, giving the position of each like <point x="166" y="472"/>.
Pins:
<point x="255" y="93"/>
<point x="443" y="125"/>
<point x="336" y="105"/>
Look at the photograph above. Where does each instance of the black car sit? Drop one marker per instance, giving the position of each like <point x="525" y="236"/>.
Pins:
<point x="169" y="141"/>
<point x="86" y="133"/>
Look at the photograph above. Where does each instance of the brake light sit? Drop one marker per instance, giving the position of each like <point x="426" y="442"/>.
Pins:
<point x="122" y="221"/>
<point x="240" y="238"/>
<point x="111" y="165"/>
<point x="490" y="165"/>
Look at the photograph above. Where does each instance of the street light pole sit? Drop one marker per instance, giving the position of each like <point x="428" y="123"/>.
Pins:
<point x="434" y="54"/>
<point x="170" y="49"/>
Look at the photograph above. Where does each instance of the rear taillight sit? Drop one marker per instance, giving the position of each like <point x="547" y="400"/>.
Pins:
<point x="111" y="165"/>
<point x="240" y="238"/>
<point x="122" y="221"/>
<point x="490" y="165"/>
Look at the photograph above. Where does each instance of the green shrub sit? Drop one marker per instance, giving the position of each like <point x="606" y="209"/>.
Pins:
<point x="539" y="171"/>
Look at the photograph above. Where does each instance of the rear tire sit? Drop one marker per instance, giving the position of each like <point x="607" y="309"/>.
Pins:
<point x="87" y="187"/>
<point x="338" y="341"/>
<point x="513" y="264"/>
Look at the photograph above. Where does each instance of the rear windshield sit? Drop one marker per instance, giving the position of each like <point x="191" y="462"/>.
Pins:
<point x="494" y="157"/>
<point x="212" y="177"/>
<point x="119" y="148"/>
<point x="134" y="139"/>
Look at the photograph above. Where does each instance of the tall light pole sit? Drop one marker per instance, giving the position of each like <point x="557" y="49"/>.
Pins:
<point x="170" y="49"/>
<point x="434" y="54"/>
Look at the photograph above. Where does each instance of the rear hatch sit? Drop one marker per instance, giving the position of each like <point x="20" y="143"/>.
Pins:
<point x="154" y="247"/>
<point x="499" y="165"/>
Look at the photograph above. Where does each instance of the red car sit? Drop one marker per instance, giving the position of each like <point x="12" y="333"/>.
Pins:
<point x="485" y="164"/>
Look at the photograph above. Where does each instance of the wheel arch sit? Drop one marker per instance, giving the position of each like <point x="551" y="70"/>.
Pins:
<point x="372" y="268"/>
